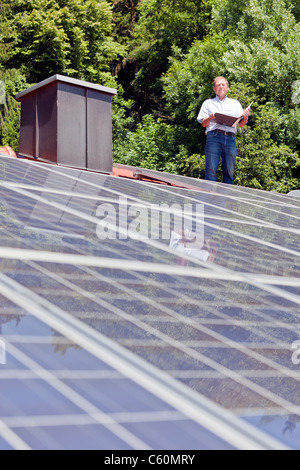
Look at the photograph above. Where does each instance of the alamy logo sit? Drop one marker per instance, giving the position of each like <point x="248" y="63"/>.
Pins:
<point x="2" y="352"/>
<point x="296" y="354"/>
<point x="296" y="92"/>
<point x="138" y="221"/>
<point x="2" y="93"/>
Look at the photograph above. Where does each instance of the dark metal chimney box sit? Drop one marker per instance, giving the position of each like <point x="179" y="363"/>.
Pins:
<point x="68" y="122"/>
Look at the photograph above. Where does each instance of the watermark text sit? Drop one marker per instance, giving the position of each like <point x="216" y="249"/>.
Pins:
<point x="2" y="93"/>
<point x="296" y="92"/>
<point x="296" y="354"/>
<point x="2" y="352"/>
<point x="123" y="220"/>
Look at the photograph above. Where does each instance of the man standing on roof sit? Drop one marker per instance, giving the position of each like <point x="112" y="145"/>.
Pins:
<point x="221" y="139"/>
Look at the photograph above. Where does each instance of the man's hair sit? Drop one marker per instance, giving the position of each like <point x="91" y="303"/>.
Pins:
<point x="218" y="78"/>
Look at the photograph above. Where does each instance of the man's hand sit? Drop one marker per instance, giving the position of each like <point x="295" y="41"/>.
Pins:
<point x="207" y="120"/>
<point x="246" y="113"/>
<point x="244" y="121"/>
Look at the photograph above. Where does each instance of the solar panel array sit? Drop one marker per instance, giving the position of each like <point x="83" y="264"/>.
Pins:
<point x="114" y="335"/>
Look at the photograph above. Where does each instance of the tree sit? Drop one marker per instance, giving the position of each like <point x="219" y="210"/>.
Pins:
<point x="266" y="50"/>
<point x="162" y="26"/>
<point x="266" y="159"/>
<point x="267" y="58"/>
<point x="71" y="37"/>
<point x="125" y="17"/>
<point x="163" y="55"/>
<point x="150" y="146"/>
<point x="12" y="83"/>
<point x="43" y="37"/>
<point x="260" y="56"/>
<point x="187" y="84"/>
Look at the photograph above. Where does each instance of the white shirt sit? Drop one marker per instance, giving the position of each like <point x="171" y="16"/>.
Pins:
<point x="227" y="106"/>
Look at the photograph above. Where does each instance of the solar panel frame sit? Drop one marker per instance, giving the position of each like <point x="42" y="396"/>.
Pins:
<point x="224" y="326"/>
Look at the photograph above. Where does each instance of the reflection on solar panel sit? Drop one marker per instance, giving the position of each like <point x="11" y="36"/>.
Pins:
<point x="142" y="316"/>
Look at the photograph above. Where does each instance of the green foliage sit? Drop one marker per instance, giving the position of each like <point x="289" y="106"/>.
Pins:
<point x="71" y="37"/>
<point x="189" y="79"/>
<point x="164" y="25"/>
<point x="192" y="166"/>
<point x="152" y="145"/>
<point x="125" y="16"/>
<point x="43" y="37"/>
<point x="293" y="129"/>
<point x="122" y="121"/>
<point x="13" y="82"/>
<point x="163" y="55"/>
<point x="267" y="52"/>
<point x="256" y="44"/>
<point x="295" y="9"/>
<point x="265" y="160"/>
<point x="226" y="15"/>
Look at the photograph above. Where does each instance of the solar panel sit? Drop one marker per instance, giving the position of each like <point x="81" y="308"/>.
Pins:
<point x="144" y="316"/>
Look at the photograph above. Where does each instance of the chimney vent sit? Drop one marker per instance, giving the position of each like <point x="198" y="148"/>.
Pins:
<point x="68" y="122"/>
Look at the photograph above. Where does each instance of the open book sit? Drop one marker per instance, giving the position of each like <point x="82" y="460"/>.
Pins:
<point x="231" y="121"/>
<point x="224" y="119"/>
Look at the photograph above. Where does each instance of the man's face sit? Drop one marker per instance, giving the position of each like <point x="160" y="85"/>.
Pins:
<point x="221" y="88"/>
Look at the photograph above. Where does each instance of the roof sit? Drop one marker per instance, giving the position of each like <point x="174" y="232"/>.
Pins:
<point x="70" y="81"/>
<point x="115" y="336"/>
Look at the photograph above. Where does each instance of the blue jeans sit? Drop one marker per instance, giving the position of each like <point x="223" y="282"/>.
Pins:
<point x="217" y="146"/>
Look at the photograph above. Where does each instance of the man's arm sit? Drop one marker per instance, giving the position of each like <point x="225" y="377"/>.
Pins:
<point x="206" y="121"/>
<point x="244" y="121"/>
<point x="205" y="114"/>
